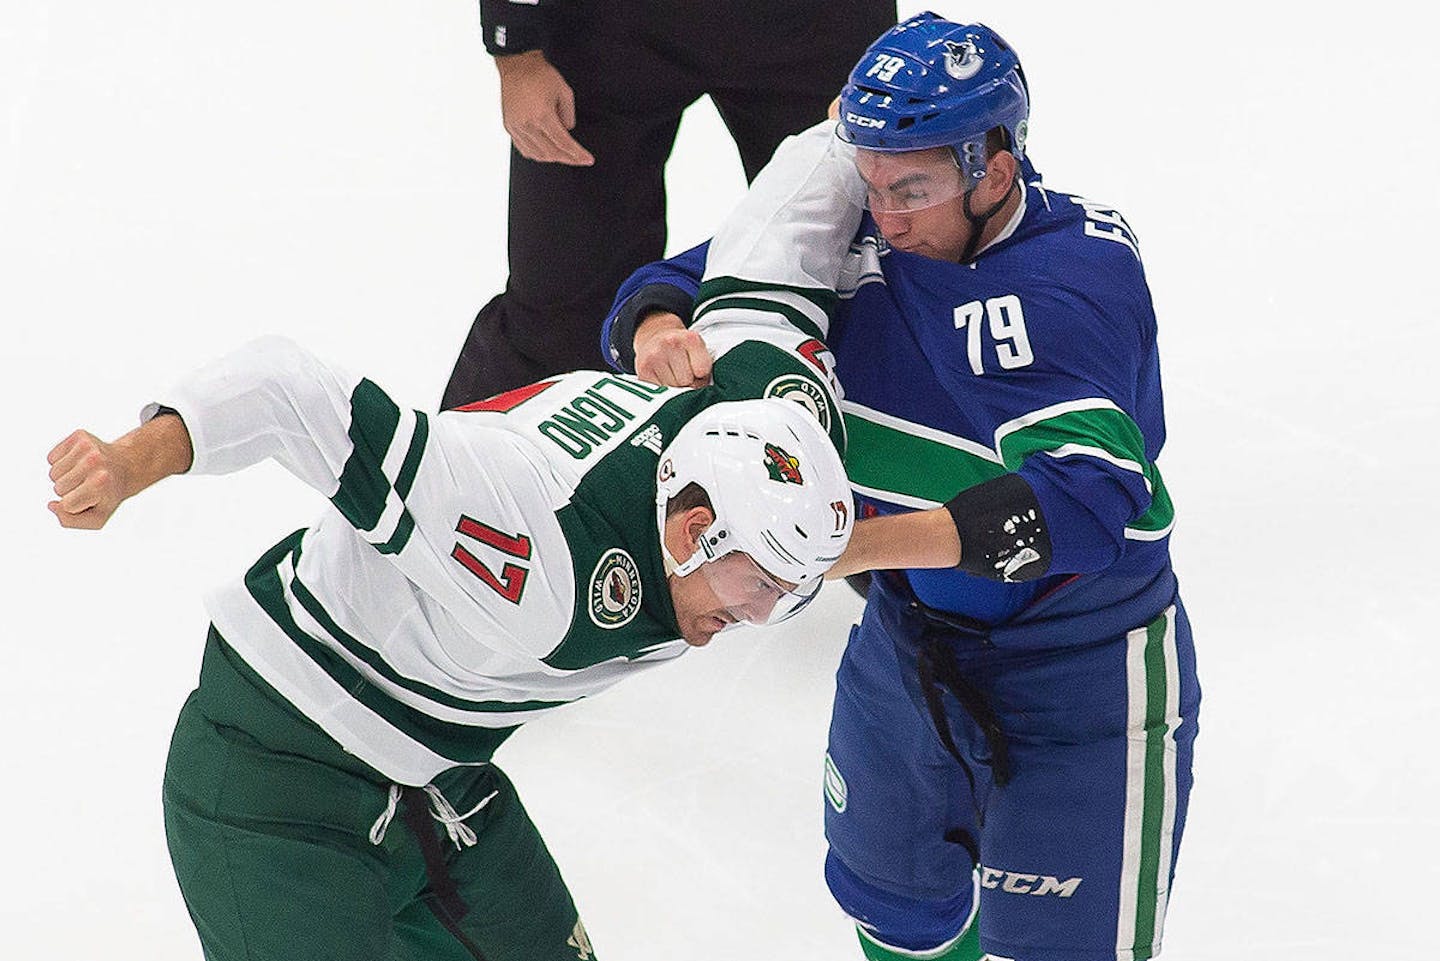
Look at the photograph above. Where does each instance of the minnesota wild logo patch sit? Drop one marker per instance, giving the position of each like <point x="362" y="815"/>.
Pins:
<point x="782" y="466"/>
<point x="804" y="392"/>
<point x="614" y="590"/>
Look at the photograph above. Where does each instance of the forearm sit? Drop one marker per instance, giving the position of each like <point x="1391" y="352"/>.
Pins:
<point x="900" y="542"/>
<point x="154" y="451"/>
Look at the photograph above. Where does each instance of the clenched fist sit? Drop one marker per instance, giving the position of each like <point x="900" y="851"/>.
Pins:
<point x="92" y="477"/>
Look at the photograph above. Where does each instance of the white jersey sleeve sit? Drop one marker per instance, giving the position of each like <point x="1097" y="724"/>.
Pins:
<point x="272" y="399"/>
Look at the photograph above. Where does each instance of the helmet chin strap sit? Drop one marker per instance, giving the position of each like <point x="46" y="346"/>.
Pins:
<point x="978" y="221"/>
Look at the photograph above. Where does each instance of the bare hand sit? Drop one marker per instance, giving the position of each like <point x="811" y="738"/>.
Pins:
<point x="91" y="479"/>
<point x="667" y="353"/>
<point x="538" y="109"/>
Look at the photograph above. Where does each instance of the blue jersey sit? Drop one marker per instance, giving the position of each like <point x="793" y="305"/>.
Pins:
<point x="1038" y="358"/>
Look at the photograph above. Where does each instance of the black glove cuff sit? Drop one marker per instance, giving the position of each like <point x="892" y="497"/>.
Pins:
<point x="642" y="303"/>
<point x="1002" y="530"/>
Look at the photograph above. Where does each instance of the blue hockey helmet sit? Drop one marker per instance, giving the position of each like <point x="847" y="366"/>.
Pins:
<point x="929" y="82"/>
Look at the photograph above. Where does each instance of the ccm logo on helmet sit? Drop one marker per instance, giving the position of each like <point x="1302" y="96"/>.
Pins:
<point x="1038" y="885"/>
<point x="860" y="121"/>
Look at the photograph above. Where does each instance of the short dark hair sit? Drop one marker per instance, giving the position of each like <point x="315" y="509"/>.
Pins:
<point x="691" y="495"/>
<point x="997" y="138"/>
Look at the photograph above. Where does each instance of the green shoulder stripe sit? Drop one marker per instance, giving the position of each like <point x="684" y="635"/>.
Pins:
<point x="1158" y="518"/>
<point x="1097" y="428"/>
<point x="1064" y="428"/>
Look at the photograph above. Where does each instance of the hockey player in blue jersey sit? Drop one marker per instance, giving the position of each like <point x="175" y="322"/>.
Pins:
<point x="1010" y="748"/>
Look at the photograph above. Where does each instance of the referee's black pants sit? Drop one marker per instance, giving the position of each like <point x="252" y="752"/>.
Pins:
<point x="576" y="233"/>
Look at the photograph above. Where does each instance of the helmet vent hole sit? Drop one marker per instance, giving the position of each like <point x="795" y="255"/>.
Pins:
<point x="904" y="123"/>
<point x="801" y="531"/>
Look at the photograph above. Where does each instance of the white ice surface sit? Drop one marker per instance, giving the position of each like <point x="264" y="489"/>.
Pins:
<point x="176" y="177"/>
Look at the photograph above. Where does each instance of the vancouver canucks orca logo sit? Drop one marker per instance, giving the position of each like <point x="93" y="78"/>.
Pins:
<point x="782" y="466"/>
<point x="962" y="60"/>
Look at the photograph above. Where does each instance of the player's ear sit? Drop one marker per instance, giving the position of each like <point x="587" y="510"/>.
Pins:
<point x="695" y="522"/>
<point x="1000" y="172"/>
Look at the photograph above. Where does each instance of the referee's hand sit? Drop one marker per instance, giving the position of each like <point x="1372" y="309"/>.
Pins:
<point x="538" y="109"/>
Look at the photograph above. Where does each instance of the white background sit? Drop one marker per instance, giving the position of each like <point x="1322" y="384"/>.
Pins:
<point x="177" y="177"/>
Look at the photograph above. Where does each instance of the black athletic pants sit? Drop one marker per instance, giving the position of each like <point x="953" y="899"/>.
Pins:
<point x="576" y="233"/>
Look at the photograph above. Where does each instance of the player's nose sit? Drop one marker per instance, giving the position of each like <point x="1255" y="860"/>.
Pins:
<point x="892" y="224"/>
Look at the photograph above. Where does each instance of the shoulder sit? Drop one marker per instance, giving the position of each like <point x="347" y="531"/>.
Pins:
<point x="1069" y="238"/>
<point x="1073" y="264"/>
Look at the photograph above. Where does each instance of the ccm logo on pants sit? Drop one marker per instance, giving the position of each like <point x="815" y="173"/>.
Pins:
<point x="1034" y="884"/>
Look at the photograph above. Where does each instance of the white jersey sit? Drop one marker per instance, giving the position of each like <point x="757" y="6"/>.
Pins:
<point x="476" y="567"/>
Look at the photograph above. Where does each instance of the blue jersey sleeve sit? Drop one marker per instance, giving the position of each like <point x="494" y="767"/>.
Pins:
<point x="1066" y="379"/>
<point x="1079" y="423"/>
<point x="663" y="285"/>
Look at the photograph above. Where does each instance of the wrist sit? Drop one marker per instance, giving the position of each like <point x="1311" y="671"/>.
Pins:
<point x="152" y="452"/>
<point x="510" y="65"/>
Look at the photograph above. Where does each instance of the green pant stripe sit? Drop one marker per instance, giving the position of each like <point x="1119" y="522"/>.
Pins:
<point x="1150" y="798"/>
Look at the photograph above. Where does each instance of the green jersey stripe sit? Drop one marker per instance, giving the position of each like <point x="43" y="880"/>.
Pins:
<point x="378" y="664"/>
<point x="413" y="456"/>
<point x="1112" y="431"/>
<point x="826" y="300"/>
<point x="904" y="463"/>
<point x="920" y="467"/>
<point x="365" y="495"/>
<point x="403" y="529"/>
<point x="403" y="482"/>
<point x="364" y="487"/>
<point x="797" y="318"/>
<point x="1159" y="518"/>
<point x="460" y="744"/>
<point x="1097" y="428"/>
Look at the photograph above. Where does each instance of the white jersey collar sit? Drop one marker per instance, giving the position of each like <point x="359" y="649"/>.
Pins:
<point x="1010" y="226"/>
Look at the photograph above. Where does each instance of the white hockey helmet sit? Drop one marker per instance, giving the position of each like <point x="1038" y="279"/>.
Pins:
<point x="781" y="501"/>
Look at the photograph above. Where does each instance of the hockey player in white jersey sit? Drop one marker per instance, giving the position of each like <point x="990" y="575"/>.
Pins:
<point x="475" y="569"/>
